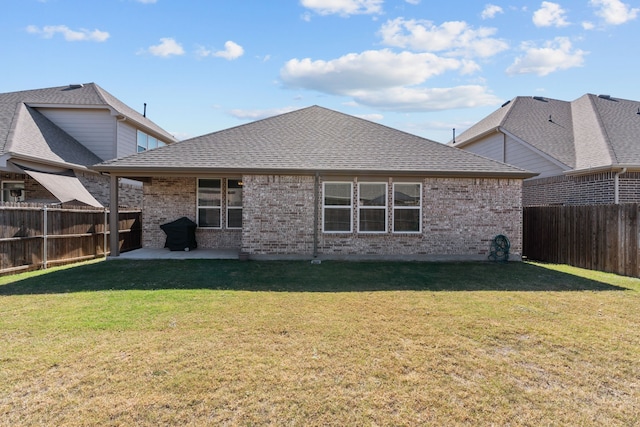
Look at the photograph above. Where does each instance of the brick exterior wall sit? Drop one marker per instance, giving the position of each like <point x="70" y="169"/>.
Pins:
<point x="459" y="218"/>
<point x="167" y="199"/>
<point x="130" y="196"/>
<point x="581" y="190"/>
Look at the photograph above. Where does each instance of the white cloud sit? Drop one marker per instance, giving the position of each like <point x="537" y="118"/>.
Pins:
<point x="455" y="37"/>
<point x="260" y="114"/>
<point x="369" y="70"/>
<point x="427" y="99"/>
<point x="387" y="80"/>
<point x="555" y="55"/>
<point x="231" y="51"/>
<point x="344" y="7"/>
<point x="614" y="12"/>
<point x="70" y="35"/>
<point x="413" y="1"/>
<point x="167" y="47"/>
<point x="550" y="15"/>
<point x="588" y="25"/>
<point x="490" y="11"/>
<point x="373" y="117"/>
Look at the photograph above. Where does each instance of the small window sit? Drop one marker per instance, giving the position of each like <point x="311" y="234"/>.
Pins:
<point x="337" y="207"/>
<point x="372" y="207"/>
<point x="13" y="191"/>
<point x="209" y="203"/>
<point x="234" y="203"/>
<point x="142" y="141"/>
<point x="407" y="208"/>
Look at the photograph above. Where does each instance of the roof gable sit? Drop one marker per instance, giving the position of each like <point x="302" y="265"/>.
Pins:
<point x="36" y="137"/>
<point x="83" y="95"/>
<point x="590" y="132"/>
<point x="310" y="139"/>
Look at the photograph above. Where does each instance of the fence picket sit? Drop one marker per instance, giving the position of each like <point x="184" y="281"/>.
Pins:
<point x="36" y="236"/>
<point x="597" y="237"/>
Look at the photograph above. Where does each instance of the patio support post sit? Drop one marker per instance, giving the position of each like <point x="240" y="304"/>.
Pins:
<point x="316" y="200"/>
<point x="114" y="238"/>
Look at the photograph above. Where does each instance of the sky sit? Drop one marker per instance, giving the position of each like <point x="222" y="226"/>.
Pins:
<point x="421" y="66"/>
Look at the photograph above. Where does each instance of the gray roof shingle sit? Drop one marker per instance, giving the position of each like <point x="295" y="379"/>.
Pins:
<point x="309" y="140"/>
<point x="591" y="131"/>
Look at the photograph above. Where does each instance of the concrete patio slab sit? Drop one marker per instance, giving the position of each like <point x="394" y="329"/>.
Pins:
<point x="164" y="253"/>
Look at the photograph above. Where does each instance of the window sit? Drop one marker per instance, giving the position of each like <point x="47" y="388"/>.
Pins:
<point x="147" y="142"/>
<point x="13" y="191"/>
<point x="337" y="207"/>
<point x="407" y="209"/>
<point x="209" y="203"/>
<point x="234" y="203"/>
<point x="372" y="207"/>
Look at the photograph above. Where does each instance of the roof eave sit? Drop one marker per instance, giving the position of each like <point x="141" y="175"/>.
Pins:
<point x="484" y="134"/>
<point x="183" y="172"/>
<point x="34" y="159"/>
<point x="604" y="169"/>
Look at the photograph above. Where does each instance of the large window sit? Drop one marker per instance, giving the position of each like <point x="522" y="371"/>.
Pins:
<point x="372" y="207"/>
<point x="337" y="207"/>
<point x="13" y="191"/>
<point x="209" y="203"/>
<point x="234" y="203"/>
<point x="407" y="209"/>
<point x="147" y="142"/>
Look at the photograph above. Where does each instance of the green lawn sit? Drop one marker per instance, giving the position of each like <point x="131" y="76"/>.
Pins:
<point x="202" y="342"/>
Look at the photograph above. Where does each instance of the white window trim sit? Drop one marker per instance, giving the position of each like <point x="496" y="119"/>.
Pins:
<point x="198" y="207"/>
<point x="350" y="207"/>
<point x="2" y="184"/>
<point x="385" y="207"/>
<point x="393" y="209"/>
<point x="226" y="203"/>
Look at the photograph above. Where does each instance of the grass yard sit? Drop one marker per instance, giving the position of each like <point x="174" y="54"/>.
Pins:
<point x="201" y="342"/>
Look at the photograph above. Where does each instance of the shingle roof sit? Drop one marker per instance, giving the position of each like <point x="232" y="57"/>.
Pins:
<point x="309" y="140"/>
<point x="88" y="94"/>
<point x="591" y="131"/>
<point x="36" y="137"/>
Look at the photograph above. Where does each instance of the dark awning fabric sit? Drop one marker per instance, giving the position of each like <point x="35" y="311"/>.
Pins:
<point x="66" y="187"/>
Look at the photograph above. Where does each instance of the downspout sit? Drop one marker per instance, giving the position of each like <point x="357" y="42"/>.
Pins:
<point x="316" y="200"/>
<point x="616" y="185"/>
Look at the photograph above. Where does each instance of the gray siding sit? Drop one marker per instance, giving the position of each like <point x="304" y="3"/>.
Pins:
<point x="126" y="140"/>
<point x="520" y="155"/>
<point x="95" y="129"/>
<point x="491" y="147"/>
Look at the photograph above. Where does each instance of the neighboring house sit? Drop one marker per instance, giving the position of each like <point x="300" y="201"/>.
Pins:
<point x="585" y="152"/>
<point x="316" y="182"/>
<point x="50" y="138"/>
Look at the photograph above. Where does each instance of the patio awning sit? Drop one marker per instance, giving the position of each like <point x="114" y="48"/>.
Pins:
<point x="65" y="186"/>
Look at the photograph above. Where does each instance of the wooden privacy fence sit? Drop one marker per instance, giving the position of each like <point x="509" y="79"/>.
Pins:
<point x="599" y="237"/>
<point x="35" y="236"/>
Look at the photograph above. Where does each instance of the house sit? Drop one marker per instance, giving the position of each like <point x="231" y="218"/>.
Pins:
<point x="586" y="151"/>
<point x="316" y="182"/>
<point x="50" y="138"/>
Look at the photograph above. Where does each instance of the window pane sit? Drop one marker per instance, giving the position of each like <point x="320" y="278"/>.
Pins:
<point x="209" y="192"/>
<point x="13" y="192"/>
<point x="234" y="218"/>
<point x="336" y="219"/>
<point x="234" y="192"/>
<point x="142" y="141"/>
<point x="209" y="218"/>
<point x="152" y="143"/>
<point x="406" y="195"/>
<point x="373" y="220"/>
<point x="373" y="194"/>
<point x="406" y="220"/>
<point x="337" y="194"/>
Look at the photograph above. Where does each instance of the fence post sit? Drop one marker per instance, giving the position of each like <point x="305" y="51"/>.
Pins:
<point x="44" y="237"/>
<point x="104" y="234"/>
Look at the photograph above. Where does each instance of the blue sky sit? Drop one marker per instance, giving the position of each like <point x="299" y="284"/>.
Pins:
<point x="422" y="66"/>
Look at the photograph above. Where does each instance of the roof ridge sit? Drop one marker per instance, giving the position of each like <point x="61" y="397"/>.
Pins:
<point x="603" y="129"/>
